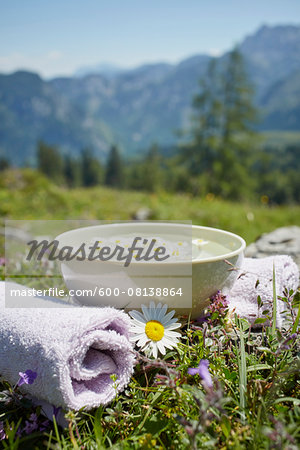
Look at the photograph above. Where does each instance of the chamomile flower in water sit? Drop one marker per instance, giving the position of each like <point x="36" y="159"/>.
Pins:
<point x="152" y="330"/>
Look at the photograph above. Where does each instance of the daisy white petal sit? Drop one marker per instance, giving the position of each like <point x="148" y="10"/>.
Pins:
<point x="137" y="324"/>
<point x="137" y="315"/>
<point x="143" y="340"/>
<point x="136" y="337"/>
<point x="171" y="321"/>
<point x="152" y="305"/>
<point x="173" y="326"/>
<point x="172" y="334"/>
<point x="154" y="349"/>
<point x="161" y="347"/>
<point x="169" y="341"/>
<point x="136" y="330"/>
<point x="154" y="311"/>
<point x="146" y="347"/>
<point x="146" y="312"/>
<point x="162" y="311"/>
<point x="152" y="329"/>
<point x="168" y="316"/>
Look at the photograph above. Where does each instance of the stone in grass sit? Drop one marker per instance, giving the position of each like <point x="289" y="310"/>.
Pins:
<point x="282" y="241"/>
<point x="142" y="214"/>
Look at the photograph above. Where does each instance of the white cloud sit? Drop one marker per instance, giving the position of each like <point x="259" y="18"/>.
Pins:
<point x="7" y="62"/>
<point x="215" y="52"/>
<point x="54" y="55"/>
<point x="48" y="64"/>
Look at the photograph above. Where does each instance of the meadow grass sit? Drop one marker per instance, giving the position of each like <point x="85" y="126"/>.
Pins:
<point x="25" y="194"/>
<point x="254" y="401"/>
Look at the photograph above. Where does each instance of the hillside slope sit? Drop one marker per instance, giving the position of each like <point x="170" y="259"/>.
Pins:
<point x="138" y="107"/>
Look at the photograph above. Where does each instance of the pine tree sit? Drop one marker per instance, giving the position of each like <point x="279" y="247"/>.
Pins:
<point x="223" y="136"/>
<point x="4" y="163"/>
<point x="72" y="171"/>
<point x="151" y="170"/>
<point x="91" y="169"/>
<point x="50" y="162"/>
<point x="206" y="123"/>
<point x="114" y="169"/>
<point x="238" y="136"/>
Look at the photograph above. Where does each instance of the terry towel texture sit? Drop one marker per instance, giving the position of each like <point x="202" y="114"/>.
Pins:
<point x="256" y="278"/>
<point x="73" y="350"/>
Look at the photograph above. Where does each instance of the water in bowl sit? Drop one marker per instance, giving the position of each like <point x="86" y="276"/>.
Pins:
<point x="177" y="248"/>
<point x="203" y="249"/>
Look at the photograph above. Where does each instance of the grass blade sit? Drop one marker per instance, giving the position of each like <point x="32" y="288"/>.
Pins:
<point x="295" y="326"/>
<point x="242" y="370"/>
<point x="274" y="303"/>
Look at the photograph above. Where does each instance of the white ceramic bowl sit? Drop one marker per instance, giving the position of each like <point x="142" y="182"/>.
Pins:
<point x="199" y="278"/>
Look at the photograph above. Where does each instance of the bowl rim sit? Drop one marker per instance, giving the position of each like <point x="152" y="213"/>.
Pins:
<point x="223" y="257"/>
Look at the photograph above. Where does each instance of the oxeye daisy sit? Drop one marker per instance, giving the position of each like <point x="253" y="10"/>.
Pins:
<point x="152" y="330"/>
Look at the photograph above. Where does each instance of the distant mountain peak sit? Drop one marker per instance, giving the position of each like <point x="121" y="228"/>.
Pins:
<point x="272" y="35"/>
<point x="139" y="106"/>
<point x="104" y="68"/>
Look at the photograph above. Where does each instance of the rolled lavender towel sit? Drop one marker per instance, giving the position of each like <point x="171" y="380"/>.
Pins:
<point x="256" y="279"/>
<point x="74" y="351"/>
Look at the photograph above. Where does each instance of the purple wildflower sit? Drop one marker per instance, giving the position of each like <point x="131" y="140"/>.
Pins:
<point x="202" y="319"/>
<point x="2" y="432"/>
<point x="56" y="411"/>
<point x="219" y="304"/>
<point x="33" y="417"/>
<point x="203" y="371"/>
<point x="2" y="261"/>
<point x="44" y="425"/>
<point x="285" y="345"/>
<point x="27" y="377"/>
<point x="31" y="424"/>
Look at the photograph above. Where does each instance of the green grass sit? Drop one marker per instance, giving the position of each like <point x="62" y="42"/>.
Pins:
<point x="253" y="403"/>
<point x="27" y="195"/>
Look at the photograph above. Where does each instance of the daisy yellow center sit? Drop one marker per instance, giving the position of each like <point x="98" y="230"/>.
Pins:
<point x="154" y="330"/>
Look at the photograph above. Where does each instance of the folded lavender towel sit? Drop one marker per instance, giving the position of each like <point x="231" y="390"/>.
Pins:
<point x="74" y="351"/>
<point x="256" y="279"/>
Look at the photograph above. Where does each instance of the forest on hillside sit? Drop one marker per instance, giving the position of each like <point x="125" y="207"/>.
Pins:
<point x="221" y="154"/>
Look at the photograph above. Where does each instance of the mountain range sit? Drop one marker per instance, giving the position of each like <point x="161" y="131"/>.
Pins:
<point x="138" y="107"/>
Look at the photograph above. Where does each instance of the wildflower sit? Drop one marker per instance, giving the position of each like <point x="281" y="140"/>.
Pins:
<point x="2" y="432"/>
<point x="27" y="377"/>
<point x="219" y="304"/>
<point x="285" y="345"/>
<point x="203" y="371"/>
<point x="152" y="329"/>
<point x="44" y="425"/>
<point x="203" y="318"/>
<point x="31" y="424"/>
<point x="2" y="261"/>
<point x="56" y="411"/>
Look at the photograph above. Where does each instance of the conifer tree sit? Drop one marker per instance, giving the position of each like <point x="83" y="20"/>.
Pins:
<point x="151" y="170"/>
<point x="223" y="136"/>
<point x="91" y="169"/>
<point x="114" y="169"/>
<point x="72" y="171"/>
<point x="4" y="163"/>
<point x="50" y="162"/>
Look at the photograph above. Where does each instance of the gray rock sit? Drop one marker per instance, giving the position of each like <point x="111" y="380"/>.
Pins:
<point x="282" y="241"/>
<point x="142" y="214"/>
<point x="15" y="233"/>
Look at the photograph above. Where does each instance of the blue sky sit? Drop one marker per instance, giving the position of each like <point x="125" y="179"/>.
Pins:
<point x="56" y="37"/>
